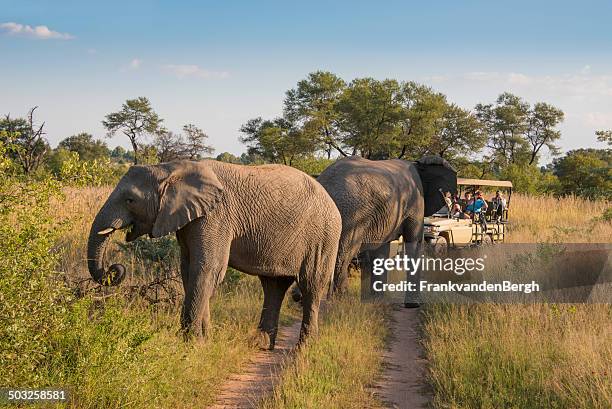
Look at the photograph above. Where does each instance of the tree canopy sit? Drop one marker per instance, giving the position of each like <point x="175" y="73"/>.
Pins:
<point x="136" y="119"/>
<point x="24" y="141"/>
<point x="86" y="146"/>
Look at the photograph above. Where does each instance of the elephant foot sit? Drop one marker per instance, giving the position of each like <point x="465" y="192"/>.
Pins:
<point x="191" y="338"/>
<point x="296" y="294"/>
<point x="193" y="334"/>
<point x="263" y="340"/>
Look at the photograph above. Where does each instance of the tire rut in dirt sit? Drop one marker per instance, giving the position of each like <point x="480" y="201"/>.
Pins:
<point x="257" y="381"/>
<point x="403" y="382"/>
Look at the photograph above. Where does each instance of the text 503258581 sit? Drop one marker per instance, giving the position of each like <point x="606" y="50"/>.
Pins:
<point x="20" y="395"/>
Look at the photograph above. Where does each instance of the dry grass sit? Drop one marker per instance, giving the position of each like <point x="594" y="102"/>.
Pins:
<point x="336" y="369"/>
<point x="548" y="219"/>
<point x="527" y="356"/>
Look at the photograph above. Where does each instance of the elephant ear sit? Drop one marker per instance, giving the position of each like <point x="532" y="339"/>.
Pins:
<point x="437" y="177"/>
<point x="185" y="195"/>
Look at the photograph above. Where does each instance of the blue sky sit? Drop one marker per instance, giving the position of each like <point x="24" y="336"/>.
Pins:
<point x="217" y="64"/>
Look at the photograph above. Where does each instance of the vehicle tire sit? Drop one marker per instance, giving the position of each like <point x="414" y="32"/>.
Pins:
<point x="439" y="246"/>
<point x="487" y="240"/>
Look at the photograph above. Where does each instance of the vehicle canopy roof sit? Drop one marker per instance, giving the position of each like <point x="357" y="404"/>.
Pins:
<point x="484" y="182"/>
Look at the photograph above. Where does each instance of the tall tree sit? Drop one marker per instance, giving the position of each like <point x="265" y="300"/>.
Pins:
<point x="87" y="147"/>
<point x="586" y="172"/>
<point x="459" y="133"/>
<point x="135" y="120"/>
<point x="276" y="141"/>
<point x="604" y="136"/>
<point x="543" y="118"/>
<point x="194" y="144"/>
<point x="169" y="146"/>
<point x="228" y="158"/>
<point x="506" y="122"/>
<point x="24" y="140"/>
<point x="313" y="104"/>
<point x="370" y="111"/>
<point x="423" y="110"/>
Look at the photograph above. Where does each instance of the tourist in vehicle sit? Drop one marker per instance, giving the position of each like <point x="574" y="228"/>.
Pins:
<point x="467" y="201"/>
<point x="478" y="205"/>
<point x="499" y="204"/>
<point x="455" y="206"/>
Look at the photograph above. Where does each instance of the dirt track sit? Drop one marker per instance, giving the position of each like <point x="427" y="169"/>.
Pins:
<point x="403" y="385"/>
<point x="246" y="389"/>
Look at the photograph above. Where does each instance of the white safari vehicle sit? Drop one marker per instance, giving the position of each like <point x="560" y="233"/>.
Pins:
<point x="442" y="230"/>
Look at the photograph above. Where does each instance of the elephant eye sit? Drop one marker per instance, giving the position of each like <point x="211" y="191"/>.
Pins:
<point x="129" y="201"/>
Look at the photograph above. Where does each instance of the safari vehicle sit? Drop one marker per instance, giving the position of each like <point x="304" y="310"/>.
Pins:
<point x="443" y="231"/>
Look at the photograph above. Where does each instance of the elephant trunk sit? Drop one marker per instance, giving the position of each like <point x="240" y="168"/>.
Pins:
<point x="99" y="236"/>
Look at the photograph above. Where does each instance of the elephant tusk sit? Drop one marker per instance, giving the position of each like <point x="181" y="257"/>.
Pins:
<point x="106" y="231"/>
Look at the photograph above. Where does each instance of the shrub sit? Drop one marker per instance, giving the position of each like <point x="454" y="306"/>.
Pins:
<point x="69" y="169"/>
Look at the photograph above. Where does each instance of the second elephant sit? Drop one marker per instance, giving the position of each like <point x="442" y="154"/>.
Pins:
<point x="382" y="200"/>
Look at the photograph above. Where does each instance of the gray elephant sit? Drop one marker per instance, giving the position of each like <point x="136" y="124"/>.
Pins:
<point x="381" y="200"/>
<point x="272" y="221"/>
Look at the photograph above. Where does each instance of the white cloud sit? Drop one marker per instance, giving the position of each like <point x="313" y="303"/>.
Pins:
<point x="580" y="85"/>
<point x="519" y="79"/>
<point x="193" y="71"/>
<point x="135" y="64"/>
<point x="37" y="32"/>
<point x="585" y="70"/>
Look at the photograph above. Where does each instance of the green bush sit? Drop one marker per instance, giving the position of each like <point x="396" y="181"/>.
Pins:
<point x="109" y="348"/>
<point x="97" y="172"/>
<point x="311" y="164"/>
<point x="47" y="336"/>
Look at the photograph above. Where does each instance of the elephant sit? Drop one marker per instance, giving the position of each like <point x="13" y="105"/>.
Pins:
<point x="272" y="221"/>
<point x="382" y="200"/>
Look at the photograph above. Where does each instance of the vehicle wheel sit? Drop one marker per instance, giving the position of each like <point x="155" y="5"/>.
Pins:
<point x="439" y="246"/>
<point x="487" y="240"/>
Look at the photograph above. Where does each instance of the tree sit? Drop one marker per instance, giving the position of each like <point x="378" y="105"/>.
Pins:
<point x="370" y="111"/>
<point x="276" y="141"/>
<point x="135" y="120"/>
<point x="228" y="158"/>
<point x="169" y="146"/>
<point x="148" y="154"/>
<point x="121" y="155"/>
<point x="313" y="104"/>
<point x="506" y="122"/>
<point x="540" y="132"/>
<point x="460" y="133"/>
<point x="84" y="144"/>
<point x="585" y="172"/>
<point x="24" y="141"/>
<point x="194" y="144"/>
<point x="604" y="136"/>
<point x="517" y="132"/>
<point x="422" y="120"/>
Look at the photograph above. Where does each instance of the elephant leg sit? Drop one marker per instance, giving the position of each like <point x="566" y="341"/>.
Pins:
<point x="274" y="293"/>
<point x="207" y="266"/>
<point x="348" y="248"/>
<point x="412" y="232"/>
<point x="311" y="301"/>
<point x="184" y="260"/>
<point x="343" y="263"/>
<point x="314" y="282"/>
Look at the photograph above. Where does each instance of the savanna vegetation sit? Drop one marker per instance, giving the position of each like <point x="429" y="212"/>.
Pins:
<point x="119" y="347"/>
<point x="527" y="356"/>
